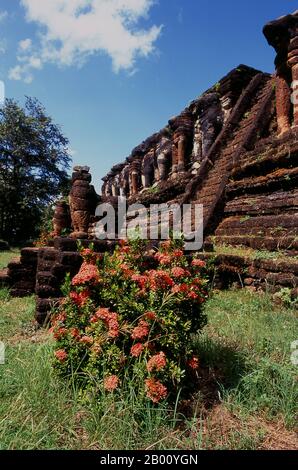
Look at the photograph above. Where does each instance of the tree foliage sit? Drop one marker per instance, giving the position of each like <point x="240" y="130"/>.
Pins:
<point x="34" y="161"/>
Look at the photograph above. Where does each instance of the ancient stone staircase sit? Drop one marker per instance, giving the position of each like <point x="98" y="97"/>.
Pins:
<point x="249" y="117"/>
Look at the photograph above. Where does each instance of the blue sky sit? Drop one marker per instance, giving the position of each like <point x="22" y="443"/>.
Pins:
<point x="114" y="74"/>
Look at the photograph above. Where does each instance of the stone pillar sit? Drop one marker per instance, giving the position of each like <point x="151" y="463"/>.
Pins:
<point x="293" y="63"/>
<point x="282" y="34"/>
<point x="148" y="169"/>
<point x="82" y="202"/>
<point x="61" y="219"/>
<point x="162" y="167"/>
<point x="134" y="182"/>
<point x="175" y="157"/>
<point x="295" y="93"/>
<point x="115" y="187"/>
<point x="181" y="153"/>
<point x="163" y="158"/>
<point x="283" y="105"/>
<point x="182" y="127"/>
<point x="124" y="182"/>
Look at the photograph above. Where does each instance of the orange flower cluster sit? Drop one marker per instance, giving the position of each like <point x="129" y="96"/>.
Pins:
<point x="163" y="258"/>
<point x="80" y="298"/>
<point x="198" y="263"/>
<point x="150" y="316"/>
<point x="127" y="272"/>
<point x="193" y="363"/>
<point x="137" y="350"/>
<point x="110" y="319"/>
<point x="159" y="279"/>
<point x="61" y="355"/>
<point x="141" y="331"/>
<point x="141" y="280"/>
<point x="157" y="362"/>
<point x="111" y="383"/>
<point x="88" y="273"/>
<point x="74" y="332"/>
<point x="86" y="340"/>
<point x="177" y="253"/>
<point x="179" y="272"/>
<point x="58" y="334"/>
<point x="156" y="391"/>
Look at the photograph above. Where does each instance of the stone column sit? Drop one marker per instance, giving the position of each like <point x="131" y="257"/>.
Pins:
<point x="82" y="202"/>
<point x="115" y="187"/>
<point x="134" y="182"/>
<point x="283" y="105"/>
<point x="282" y="34"/>
<point x="175" y="156"/>
<point x="182" y="127"/>
<point x="61" y="219"/>
<point x="181" y="153"/>
<point x="293" y="63"/>
<point x="148" y="170"/>
<point x="295" y="93"/>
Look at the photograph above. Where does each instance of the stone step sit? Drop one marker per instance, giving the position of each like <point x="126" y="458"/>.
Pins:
<point x="4" y="278"/>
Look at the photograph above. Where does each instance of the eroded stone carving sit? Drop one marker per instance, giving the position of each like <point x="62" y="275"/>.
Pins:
<point x="82" y="201"/>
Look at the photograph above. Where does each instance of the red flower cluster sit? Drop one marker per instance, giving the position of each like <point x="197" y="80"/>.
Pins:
<point x="159" y="279"/>
<point x="179" y="272"/>
<point x="81" y="298"/>
<point x="156" y="391"/>
<point x="111" y="383"/>
<point x="60" y="318"/>
<point x="180" y="288"/>
<point x="150" y="316"/>
<point x="74" y="332"/>
<point x="198" y="263"/>
<point x="193" y="363"/>
<point x="163" y="258"/>
<point x="124" y="246"/>
<point x="127" y="272"/>
<point x="157" y="362"/>
<point x="190" y="290"/>
<point x="141" y="331"/>
<point x="58" y="334"/>
<point x="178" y="253"/>
<point x="140" y="280"/>
<point x="86" y="340"/>
<point x="137" y="350"/>
<point x="61" y="355"/>
<point x="110" y="319"/>
<point x="87" y="273"/>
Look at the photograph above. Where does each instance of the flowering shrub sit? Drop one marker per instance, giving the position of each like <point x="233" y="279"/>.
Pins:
<point x="127" y="316"/>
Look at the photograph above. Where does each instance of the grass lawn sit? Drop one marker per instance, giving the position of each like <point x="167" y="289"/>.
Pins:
<point x="246" y="398"/>
<point x="7" y="256"/>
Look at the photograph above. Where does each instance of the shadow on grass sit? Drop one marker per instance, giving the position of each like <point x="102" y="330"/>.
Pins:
<point x="222" y="367"/>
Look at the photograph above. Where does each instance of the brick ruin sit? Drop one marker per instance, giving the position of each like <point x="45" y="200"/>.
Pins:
<point x="234" y="150"/>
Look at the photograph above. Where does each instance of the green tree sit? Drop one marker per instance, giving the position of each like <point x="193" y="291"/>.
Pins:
<point x="34" y="161"/>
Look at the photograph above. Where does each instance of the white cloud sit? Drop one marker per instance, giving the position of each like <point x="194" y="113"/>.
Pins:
<point x="25" y="45"/>
<point x="3" y="46"/>
<point x="3" y="15"/>
<point x="72" y="30"/>
<point x="20" y="73"/>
